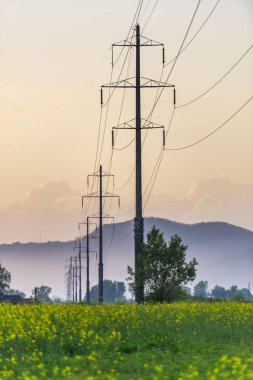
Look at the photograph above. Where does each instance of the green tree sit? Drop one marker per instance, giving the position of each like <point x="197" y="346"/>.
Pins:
<point x="14" y="292"/>
<point x="233" y="290"/>
<point x="42" y="293"/>
<point x="5" y="279"/>
<point x="200" y="289"/>
<point x="219" y="292"/>
<point x="246" y="294"/>
<point x="164" y="269"/>
<point x="113" y="291"/>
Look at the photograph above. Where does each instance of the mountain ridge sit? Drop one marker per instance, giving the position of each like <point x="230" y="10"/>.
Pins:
<point x="224" y="253"/>
<point x="220" y="223"/>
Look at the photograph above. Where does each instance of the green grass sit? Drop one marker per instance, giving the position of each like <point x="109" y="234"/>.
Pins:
<point x="176" y="341"/>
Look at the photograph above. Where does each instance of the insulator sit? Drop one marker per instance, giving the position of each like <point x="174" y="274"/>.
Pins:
<point x="119" y="202"/>
<point x="164" y="138"/>
<point x="163" y="56"/>
<point x="82" y="202"/>
<point x="112" y="138"/>
<point x="174" y="96"/>
<point x="101" y="97"/>
<point x="112" y="55"/>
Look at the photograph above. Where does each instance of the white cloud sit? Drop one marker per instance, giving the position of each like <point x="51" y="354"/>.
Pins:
<point x="51" y="210"/>
<point x="211" y="200"/>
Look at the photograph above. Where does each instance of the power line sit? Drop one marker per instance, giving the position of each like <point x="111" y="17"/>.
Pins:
<point x="155" y="171"/>
<point x="120" y="113"/>
<point x="145" y="10"/>
<point x="121" y="71"/>
<point x="215" y="130"/>
<point x="119" y="118"/>
<point x="126" y="146"/>
<point x="216" y="83"/>
<point x="135" y="20"/>
<point x="195" y="35"/>
<point x="179" y="51"/>
<point x="127" y="182"/>
<point x="160" y="156"/>
<point x="151" y="13"/>
<point x="136" y="16"/>
<point x="158" y="163"/>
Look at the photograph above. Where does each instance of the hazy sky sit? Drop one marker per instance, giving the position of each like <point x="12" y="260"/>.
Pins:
<point x="56" y="54"/>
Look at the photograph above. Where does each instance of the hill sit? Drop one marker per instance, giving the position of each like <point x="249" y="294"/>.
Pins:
<point x="224" y="253"/>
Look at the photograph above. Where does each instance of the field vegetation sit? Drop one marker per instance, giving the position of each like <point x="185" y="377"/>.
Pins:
<point x="163" y="341"/>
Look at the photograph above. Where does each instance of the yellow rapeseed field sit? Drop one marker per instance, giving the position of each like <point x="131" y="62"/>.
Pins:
<point x="167" y="341"/>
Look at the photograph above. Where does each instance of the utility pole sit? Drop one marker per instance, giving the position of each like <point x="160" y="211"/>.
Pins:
<point x="68" y="277"/>
<point x="100" y="174"/>
<point x="88" y="251"/>
<point x="80" y="269"/>
<point x="73" y="283"/>
<point x="76" y="275"/>
<point x="138" y="220"/>
<point x="100" y="263"/>
<point x="139" y="83"/>
<point x="35" y="294"/>
<point x="87" y="264"/>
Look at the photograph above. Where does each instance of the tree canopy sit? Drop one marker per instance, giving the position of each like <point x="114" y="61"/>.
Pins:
<point x="113" y="291"/>
<point x="164" y="269"/>
<point x="42" y="293"/>
<point x="15" y="292"/>
<point x="200" y="289"/>
<point x="5" y="279"/>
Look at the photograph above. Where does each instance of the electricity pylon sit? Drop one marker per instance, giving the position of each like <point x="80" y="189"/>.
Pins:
<point x="100" y="174"/>
<point x="88" y="251"/>
<point x="138" y="83"/>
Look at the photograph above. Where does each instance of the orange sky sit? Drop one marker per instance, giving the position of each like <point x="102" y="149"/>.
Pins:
<point x="54" y="57"/>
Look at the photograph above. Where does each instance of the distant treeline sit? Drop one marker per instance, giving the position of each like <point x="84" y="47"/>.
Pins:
<point x="201" y="292"/>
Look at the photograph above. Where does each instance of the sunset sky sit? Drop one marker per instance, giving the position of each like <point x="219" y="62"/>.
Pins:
<point x="56" y="54"/>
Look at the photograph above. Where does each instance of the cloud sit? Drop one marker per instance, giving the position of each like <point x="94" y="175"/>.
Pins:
<point x="51" y="210"/>
<point x="211" y="200"/>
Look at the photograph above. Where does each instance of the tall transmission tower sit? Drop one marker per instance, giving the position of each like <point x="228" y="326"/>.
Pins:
<point x="78" y="247"/>
<point x="88" y="251"/>
<point x="138" y="83"/>
<point x="68" y="279"/>
<point x="100" y="174"/>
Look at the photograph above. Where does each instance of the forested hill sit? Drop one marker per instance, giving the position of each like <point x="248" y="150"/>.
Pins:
<point x="224" y="253"/>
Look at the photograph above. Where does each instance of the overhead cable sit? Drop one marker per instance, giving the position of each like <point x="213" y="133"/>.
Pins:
<point x="195" y="35"/>
<point x="214" y="131"/>
<point x="216" y="83"/>
<point x="158" y="163"/>
<point x="151" y="13"/>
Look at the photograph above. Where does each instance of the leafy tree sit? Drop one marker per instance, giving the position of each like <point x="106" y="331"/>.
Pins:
<point x="219" y="292"/>
<point x="246" y="294"/>
<point x="57" y="299"/>
<point x="238" y="297"/>
<point x="42" y="293"/>
<point x="200" y="289"/>
<point x="113" y="291"/>
<point x="233" y="290"/>
<point x="5" y="279"/>
<point x="164" y="270"/>
<point x="15" y="292"/>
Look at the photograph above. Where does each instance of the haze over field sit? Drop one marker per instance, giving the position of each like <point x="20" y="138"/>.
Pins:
<point x="224" y="253"/>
